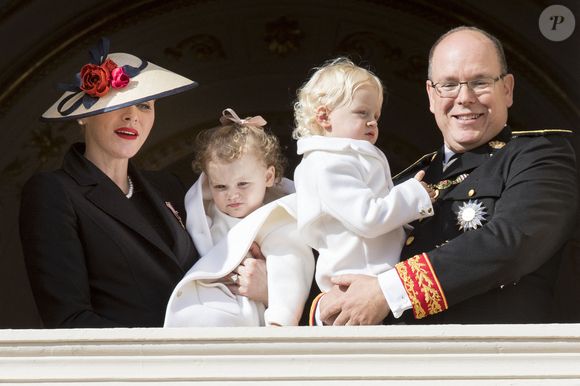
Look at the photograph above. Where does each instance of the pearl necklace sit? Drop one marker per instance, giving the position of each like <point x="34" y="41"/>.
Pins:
<point x="130" y="192"/>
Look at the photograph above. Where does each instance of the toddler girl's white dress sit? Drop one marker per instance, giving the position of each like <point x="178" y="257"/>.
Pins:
<point x="198" y="300"/>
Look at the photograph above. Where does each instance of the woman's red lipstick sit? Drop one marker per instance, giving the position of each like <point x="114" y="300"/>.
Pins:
<point x="127" y="133"/>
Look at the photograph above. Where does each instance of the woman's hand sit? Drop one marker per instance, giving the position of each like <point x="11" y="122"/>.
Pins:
<point x="250" y="277"/>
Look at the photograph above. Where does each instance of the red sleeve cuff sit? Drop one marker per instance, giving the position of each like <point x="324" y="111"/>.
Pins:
<point x="422" y="286"/>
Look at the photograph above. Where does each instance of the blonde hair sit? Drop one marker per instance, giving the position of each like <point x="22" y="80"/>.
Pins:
<point x="231" y="141"/>
<point x="332" y="85"/>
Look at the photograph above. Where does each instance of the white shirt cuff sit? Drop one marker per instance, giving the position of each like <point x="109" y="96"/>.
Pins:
<point x="425" y="206"/>
<point x="317" y="319"/>
<point x="394" y="292"/>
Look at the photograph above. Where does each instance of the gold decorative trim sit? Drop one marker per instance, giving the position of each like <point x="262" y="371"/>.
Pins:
<point x="422" y="286"/>
<point x="432" y="155"/>
<point x="541" y="132"/>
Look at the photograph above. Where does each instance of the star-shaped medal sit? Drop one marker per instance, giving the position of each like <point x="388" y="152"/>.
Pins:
<point x="470" y="215"/>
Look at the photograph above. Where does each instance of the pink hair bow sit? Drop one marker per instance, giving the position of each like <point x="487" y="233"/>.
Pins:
<point x="229" y="115"/>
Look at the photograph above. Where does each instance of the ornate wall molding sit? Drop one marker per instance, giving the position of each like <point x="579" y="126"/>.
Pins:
<point x="202" y="47"/>
<point x="386" y="355"/>
<point x="283" y="36"/>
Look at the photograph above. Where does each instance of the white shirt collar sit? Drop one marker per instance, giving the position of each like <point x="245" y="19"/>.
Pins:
<point x="448" y="154"/>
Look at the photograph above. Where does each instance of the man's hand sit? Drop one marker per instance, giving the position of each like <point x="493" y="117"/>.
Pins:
<point x="330" y="304"/>
<point x="252" y="278"/>
<point x="356" y="300"/>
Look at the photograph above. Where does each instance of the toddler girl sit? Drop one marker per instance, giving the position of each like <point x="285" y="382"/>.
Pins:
<point x="241" y="169"/>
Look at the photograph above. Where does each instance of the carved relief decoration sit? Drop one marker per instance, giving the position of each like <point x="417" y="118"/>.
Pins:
<point x="202" y="47"/>
<point x="368" y="44"/>
<point x="283" y="36"/>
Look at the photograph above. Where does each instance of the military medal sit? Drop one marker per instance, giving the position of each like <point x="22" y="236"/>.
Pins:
<point x="445" y="184"/>
<point x="470" y="215"/>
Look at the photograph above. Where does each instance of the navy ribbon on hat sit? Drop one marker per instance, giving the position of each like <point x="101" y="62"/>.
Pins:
<point x="98" y="55"/>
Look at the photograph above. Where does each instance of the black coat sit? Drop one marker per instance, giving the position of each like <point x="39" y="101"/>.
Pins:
<point x="93" y="258"/>
<point x="503" y="271"/>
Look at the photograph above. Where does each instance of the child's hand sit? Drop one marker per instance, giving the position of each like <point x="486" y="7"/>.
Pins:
<point x="420" y="175"/>
<point x="430" y="191"/>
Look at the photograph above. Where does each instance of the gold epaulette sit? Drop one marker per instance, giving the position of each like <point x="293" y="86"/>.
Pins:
<point x="430" y="156"/>
<point x="540" y="132"/>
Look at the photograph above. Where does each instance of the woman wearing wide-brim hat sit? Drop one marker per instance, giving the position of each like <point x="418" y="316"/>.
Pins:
<point x="104" y="243"/>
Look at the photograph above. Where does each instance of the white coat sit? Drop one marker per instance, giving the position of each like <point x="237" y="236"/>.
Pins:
<point x="198" y="301"/>
<point x="348" y="208"/>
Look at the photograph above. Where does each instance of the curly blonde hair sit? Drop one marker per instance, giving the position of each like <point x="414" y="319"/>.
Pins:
<point x="332" y="85"/>
<point x="231" y="141"/>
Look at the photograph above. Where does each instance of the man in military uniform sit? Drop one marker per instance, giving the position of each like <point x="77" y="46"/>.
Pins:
<point x="506" y="205"/>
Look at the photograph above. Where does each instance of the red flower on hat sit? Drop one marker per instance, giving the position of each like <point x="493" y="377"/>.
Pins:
<point x="109" y="65"/>
<point x="119" y="78"/>
<point x="96" y="80"/>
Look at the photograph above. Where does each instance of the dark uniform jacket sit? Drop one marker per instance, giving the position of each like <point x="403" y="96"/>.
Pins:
<point x="503" y="214"/>
<point x="96" y="258"/>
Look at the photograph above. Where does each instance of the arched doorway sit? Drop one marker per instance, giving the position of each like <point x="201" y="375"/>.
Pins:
<point x="251" y="56"/>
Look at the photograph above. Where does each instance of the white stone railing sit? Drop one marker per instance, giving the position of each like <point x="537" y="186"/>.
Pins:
<point x="386" y="355"/>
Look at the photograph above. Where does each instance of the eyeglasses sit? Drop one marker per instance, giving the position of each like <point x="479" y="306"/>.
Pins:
<point x="450" y="89"/>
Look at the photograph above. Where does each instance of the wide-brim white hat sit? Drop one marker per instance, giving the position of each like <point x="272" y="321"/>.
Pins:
<point x="148" y="81"/>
